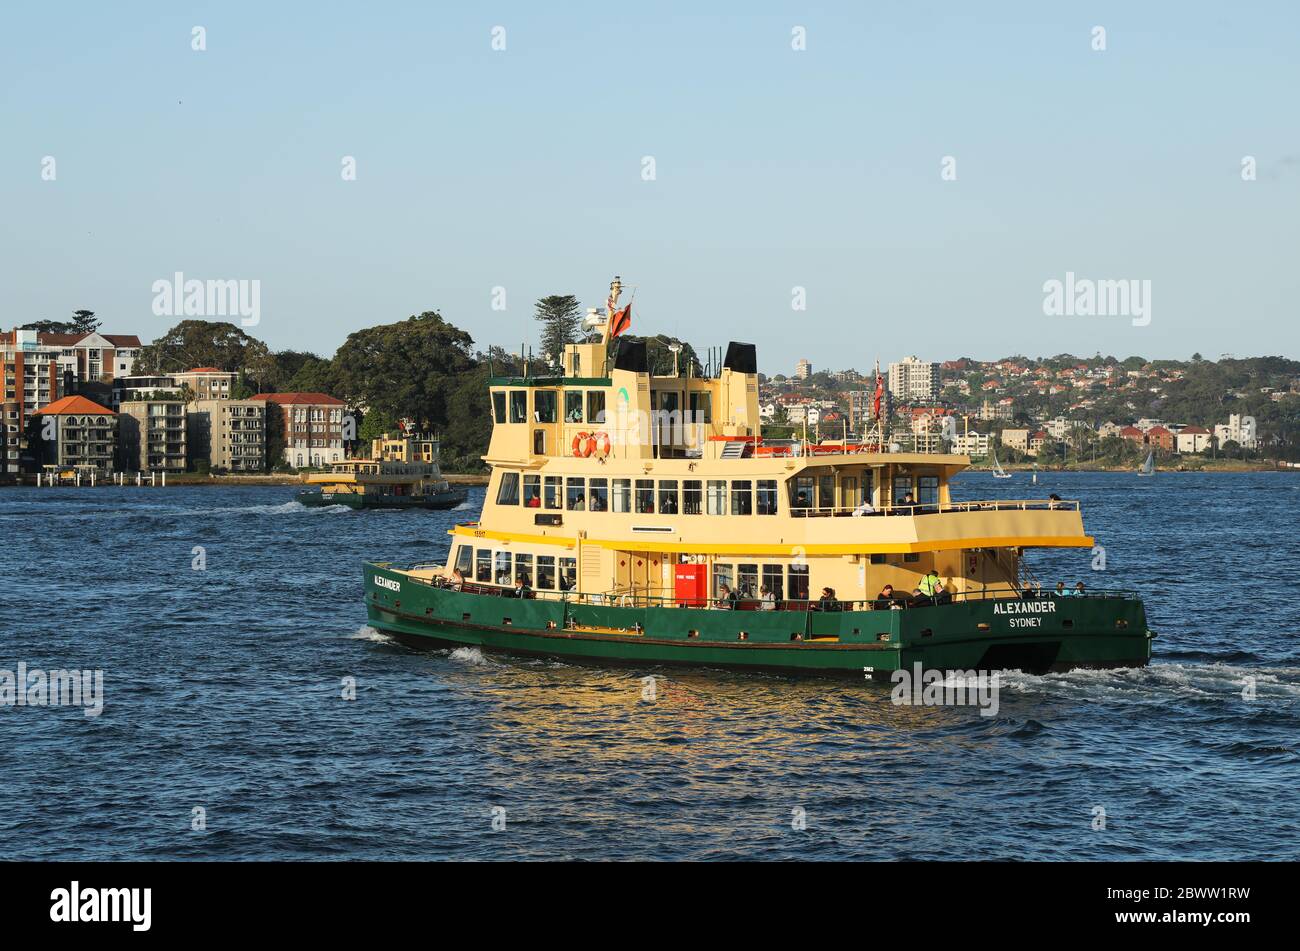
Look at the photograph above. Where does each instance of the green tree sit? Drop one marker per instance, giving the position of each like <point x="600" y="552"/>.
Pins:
<point x="84" y="321"/>
<point x="561" y="318"/>
<point x="374" y="425"/>
<point x="50" y="326"/>
<point x="201" y="343"/>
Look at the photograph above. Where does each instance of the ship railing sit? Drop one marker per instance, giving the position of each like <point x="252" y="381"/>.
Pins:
<point x="935" y="508"/>
<point x="900" y="601"/>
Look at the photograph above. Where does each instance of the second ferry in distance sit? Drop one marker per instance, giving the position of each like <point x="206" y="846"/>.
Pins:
<point x="639" y="518"/>
<point x="401" y="473"/>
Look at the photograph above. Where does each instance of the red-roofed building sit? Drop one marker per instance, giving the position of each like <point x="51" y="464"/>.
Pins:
<point x="1133" y="434"/>
<point x="312" y="424"/>
<point x="1161" y="438"/>
<point x="207" y="383"/>
<point x="1193" y="439"/>
<point x="74" y="432"/>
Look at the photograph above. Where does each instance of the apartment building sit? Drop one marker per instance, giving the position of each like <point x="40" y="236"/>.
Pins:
<point x="971" y="444"/>
<point x="31" y="375"/>
<point x="229" y="434"/>
<point x="82" y="434"/>
<point x="94" y="357"/>
<point x="803" y="369"/>
<point x="152" y="435"/>
<point x="1017" y="439"/>
<point x="1238" y="429"/>
<point x="914" y="381"/>
<point x="312" y="425"/>
<point x="207" y="383"/>
<point x="141" y="387"/>
<point x="1192" y="439"/>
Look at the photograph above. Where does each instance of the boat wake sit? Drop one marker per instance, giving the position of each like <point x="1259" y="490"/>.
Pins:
<point x="1162" y="681"/>
<point x="368" y="633"/>
<point x="470" y="656"/>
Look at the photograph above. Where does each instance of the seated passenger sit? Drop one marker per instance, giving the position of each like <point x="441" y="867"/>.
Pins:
<point x="534" y="501"/>
<point x="726" y="598"/>
<point x="920" y="599"/>
<point x="457" y="580"/>
<point x="864" y="508"/>
<point x="1079" y="591"/>
<point x="828" y="601"/>
<point x="1060" y="591"/>
<point x="521" y="588"/>
<point x="885" y="599"/>
<point x="767" y="599"/>
<point x="943" y="592"/>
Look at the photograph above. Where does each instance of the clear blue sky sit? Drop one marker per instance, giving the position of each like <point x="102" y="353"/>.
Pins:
<point x="775" y="169"/>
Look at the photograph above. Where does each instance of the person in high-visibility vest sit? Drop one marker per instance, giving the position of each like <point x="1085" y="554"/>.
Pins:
<point x="928" y="586"/>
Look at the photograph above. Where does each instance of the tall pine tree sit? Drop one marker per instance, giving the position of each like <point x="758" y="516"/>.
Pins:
<point x="561" y="320"/>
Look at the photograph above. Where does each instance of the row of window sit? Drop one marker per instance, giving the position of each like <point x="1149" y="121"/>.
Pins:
<point x="640" y="496"/>
<point x="586" y="406"/>
<point x="701" y="496"/>
<point x="542" y="572"/>
<point x="757" y="582"/>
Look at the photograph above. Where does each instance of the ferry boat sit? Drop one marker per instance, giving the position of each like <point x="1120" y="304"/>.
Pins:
<point x="637" y="518"/>
<point x="401" y="473"/>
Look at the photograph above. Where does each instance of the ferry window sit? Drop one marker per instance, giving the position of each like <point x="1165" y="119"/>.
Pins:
<point x="668" y="504"/>
<point x="503" y="568"/>
<point x="524" y="568"/>
<point x="766" y="496"/>
<point x="645" y="496"/>
<point x="747" y="581"/>
<point x="868" y="486"/>
<point x="722" y="574"/>
<point x="508" y="490"/>
<point x="544" y="406"/>
<point x="927" y="490"/>
<point x="701" y="408"/>
<point x="595" y="406"/>
<point x="599" y="495"/>
<point x="902" y="487"/>
<point x="742" y="497"/>
<point x="797" y="583"/>
<point x="773" y="575"/>
<point x="518" y="406"/>
<point x="568" y="574"/>
<point x="878" y="559"/>
<point x="692" y="496"/>
<point x="576" y="494"/>
<point x="533" y="491"/>
<point x="499" y="407"/>
<point x="801" y="492"/>
<point x="483" y="566"/>
<point x="717" y="498"/>
<point x="826" y="492"/>
<point x="539" y="442"/>
<point x="622" y="495"/>
<point x="546" y="572"/>
<point x="465" y="560"/>
<point x="573" y="407"/>
<point x="551" y="498"/>
<point x="911" y="556"/>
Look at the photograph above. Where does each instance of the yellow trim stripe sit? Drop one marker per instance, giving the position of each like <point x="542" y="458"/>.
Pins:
<point x="687" y="548"/>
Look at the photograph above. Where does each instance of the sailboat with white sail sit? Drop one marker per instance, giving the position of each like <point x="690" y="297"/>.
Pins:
<point x="1149" y="467"/>
<point x="998" y="471"/>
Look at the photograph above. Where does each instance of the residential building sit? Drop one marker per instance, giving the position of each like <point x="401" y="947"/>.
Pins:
<point x="1238" y="429"/>
<point x="95" y="357"/>
<point x="207" y="383"/>
<point x="971" y="444"/>
<point x="312" y="425"/>
<point x="140" y="387"/>
<point x="1017" y="439"/>
<point x="803" y="369"/>
<point x="228" y="434"/>
<point x="152" y="435"/>
<point x="913" y="380"/>
<point x="1133" y="435"/>
<point x="1161" y="438"/>
<point x="1193" y="439"/>
<point x="1036" y="441"/>
<point x="83" y="434"/>
<point x="862" y="408"/>
<point x="991" y="412"/>
<point x="30" y="373"/>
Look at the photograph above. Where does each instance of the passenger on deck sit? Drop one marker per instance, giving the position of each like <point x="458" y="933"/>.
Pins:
<point x="864" y="508"/>
<point x="521" y="588"/>
<point x="726" y="598"/>
<point x="534" y="501"/>
<point x="885" y="599"/>
<point x="801" y="501"/>
<point x="907" y="506"/>
<point x="1079" y="591"/>
<point x="767" y="600"/>
<point x="828" y="601"/>
<point x="1053" y="501"/>
<point x="457" y="580"/>
<point x="1060" y="591"/>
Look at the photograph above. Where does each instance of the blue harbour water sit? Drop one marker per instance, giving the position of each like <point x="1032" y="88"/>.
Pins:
<point x="223" y="692"/>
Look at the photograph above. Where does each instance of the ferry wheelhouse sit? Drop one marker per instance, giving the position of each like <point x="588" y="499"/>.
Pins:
<point x="401" y="473"/>
<point x="641" y="518"/>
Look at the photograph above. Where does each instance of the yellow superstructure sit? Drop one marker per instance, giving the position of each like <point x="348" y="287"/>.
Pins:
<point x="606" y="477"/>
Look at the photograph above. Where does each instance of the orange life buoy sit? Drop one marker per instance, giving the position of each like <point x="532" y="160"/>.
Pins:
<point x="582" y="444"/>
<point x="600" y="444"/>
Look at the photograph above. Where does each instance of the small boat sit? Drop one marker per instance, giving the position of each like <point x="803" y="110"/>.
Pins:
<point x="998" y="471"/>
<point x="1034" y="480"/>
<point x="401" y="473"/>
<point x="1149" y="467"/>
<point x="605" y="541"/>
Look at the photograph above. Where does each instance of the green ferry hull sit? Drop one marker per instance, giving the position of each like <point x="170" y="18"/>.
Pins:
<point x="353" y="500"/>
<point x="1093" y="632"/>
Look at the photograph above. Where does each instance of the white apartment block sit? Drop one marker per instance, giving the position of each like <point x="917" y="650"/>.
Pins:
<point x="914" y="380"/>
